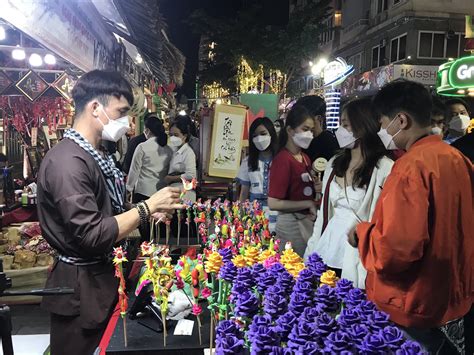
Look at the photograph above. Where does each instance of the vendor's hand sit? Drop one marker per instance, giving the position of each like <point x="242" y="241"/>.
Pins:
<point x="162" y="216"/>
<point x="352" y="238"/>
<point x="167" y="198"/>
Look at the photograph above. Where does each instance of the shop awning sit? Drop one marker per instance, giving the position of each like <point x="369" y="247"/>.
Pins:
<point x="147" y="29"/>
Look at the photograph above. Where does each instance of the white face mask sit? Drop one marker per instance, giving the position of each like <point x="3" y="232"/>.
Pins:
<point x="277" y="129"/>
<point x="436" y="131"/>
<point x="114" y="129"/>
<point x="303" y="139"/>
<point x="345" y="138"/>
<point x="387" y="138"/>
<point x="176" y="141"/>
<point x="459" y="123"/>
<point x="262" y="142"/>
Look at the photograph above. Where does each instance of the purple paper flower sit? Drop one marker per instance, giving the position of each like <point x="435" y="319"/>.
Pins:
<point x="299" y="301"/>
<point x="278" y="350"/>
<point x="266" y="280"/>
<point x="303" y="287"/>
<point x="301" y="333"/>
<point x="366" y="308"/>
<point x="325" y="325"/>
<point x="314" y="259"/>
<point x="274" y="304"/>
<point x="372" y="344"/>
<point x="349" y="316"/>
<point x="392" y="336"/>
<point x="355" y="297"/>
<point x="286" y="280"/>
<point x="307" y="275"/>
<point x="246" y="305"/>
<point x="410" y="348"/>
<point x="226" y="254"/>
<point x="258" y="321"/>
<point x="357" y="332"/>
<point x="310" y="348"/>
<point x="318" y="269"/>
<point x="337" y="342"/>
<point x="326" y="297"/>
<point x="257" y="271"/>
<point x="310" y="314"/>
<point x="378" y="320"/>
<point x="238" y="289"/>
<point x="284" y="324"/>
<point x="228" y="271"/>
<point x="276" y="290"/>
<point x="263" y="339"/>
<point x="277" y="268"/>
<point x="343" y="286"/>
<point x="245" y="277"/>
<point x="227" y="327"/>
<point x="229" y="344"/>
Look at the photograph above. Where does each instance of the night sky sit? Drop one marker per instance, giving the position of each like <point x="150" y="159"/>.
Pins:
<point x="177" y="12"/>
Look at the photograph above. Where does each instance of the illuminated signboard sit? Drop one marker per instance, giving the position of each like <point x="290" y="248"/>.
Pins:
<point x="456" y="78"/>
<point x="336" y="72"/>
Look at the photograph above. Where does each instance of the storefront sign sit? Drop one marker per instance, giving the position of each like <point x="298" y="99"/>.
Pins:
<point x="456" y="78"/>
<point x="336" y="72"/>
<point x="32" y="85"/>
<point x="423" y="74"/>
<point x="71" y="29"/>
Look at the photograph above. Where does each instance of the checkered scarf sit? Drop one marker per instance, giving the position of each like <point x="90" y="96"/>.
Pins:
<point x="114" y="178"/>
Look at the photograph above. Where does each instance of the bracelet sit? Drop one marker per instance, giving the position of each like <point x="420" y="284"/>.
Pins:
<point x="142" y="213"/>
<point x="147" y="208"/>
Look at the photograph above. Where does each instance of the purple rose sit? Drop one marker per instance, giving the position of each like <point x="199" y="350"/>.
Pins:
<point x="226" y="254"/>
<point x="307" y="275"/>
<point x="348" y="317"/>
<point x="410" y="348"/>
<point x="300" y="334"/>
<point x="276" y="290"/>
<point x="274" y="304"/>
<point x="355" y="297"/>
<point x="372" y="344"/>
<point x="392" y="336"/>
<point x="310" y="314"/>
<point x="258" y="270"/>
<point x="278" y="350"/>
<point x="263" y="339"/>
<point x="228" y="271"/>
<point x="343" y="286"/>
<point x="227" y="327"/>
<point x="325" y="325"/>
<point x="336" y="342"/>
<point x="303" y="287"/>
<point x="357" y="332"/>
<point x="299" y="301"/>
<point x="266" y="280"/>
<point x="310" y="348"/>
<point x="229" y="344"/>
<point x="246" y="305"/>
<point x="318" y="269"/>
<point x="286" y="281"/>
<point x="245" y="277"/>
<point x="284" y="324"/>
<point x="238" y="289"/>
<point x="277" y="268"/>
<point x="313" y="259"/>
<point x="326" y="296"/>
<point x="378" y="320"/>
<point x="366" y="308"/>
<point x="258" y="321"/>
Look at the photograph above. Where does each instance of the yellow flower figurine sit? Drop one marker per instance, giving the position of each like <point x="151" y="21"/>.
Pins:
<point x="251" y="255"/>
<point x="265" y="255"/>
<point x="329" y="278"/>
<point x="239" y="261"/>
<point x="214" y="262"/>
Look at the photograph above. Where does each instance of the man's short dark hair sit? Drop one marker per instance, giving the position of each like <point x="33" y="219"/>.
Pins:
<point x="404" y="96"/>
<point x="314" y="104"/>
<point x="439" y="108"/>
<point x="459" y="102"/>
<point x="100" y="85"/>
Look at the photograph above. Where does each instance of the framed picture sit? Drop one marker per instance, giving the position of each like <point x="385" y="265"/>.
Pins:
<point x="226" y="143"/>
<point x="64" y="84"/>
<point x="32" y="85"/>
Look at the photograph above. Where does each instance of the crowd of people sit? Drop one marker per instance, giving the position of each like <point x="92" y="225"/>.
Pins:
<point x="392" y="212"/>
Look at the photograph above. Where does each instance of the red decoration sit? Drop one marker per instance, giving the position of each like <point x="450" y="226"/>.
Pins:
<point x="249" y="120"/>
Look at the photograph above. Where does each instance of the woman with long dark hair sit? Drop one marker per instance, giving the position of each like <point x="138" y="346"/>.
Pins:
<point x="254" y="170"/>
<point x="352" y="183"/>
<point x="291" y="190"/>
<point x="150" y="162"/>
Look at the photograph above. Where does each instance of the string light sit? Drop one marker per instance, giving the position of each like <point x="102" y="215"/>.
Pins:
<point x="35" y="60"/>
<point x="50" y="59"/>
<point x="18" y="53"/>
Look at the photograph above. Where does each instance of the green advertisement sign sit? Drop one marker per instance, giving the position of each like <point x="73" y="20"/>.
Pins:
<point x="456" y="78"/>
<point x="261" y="104"/>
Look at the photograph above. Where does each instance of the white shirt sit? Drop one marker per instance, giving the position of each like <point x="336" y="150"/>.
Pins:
<point x="183" y="161"/>
<point x="149" y="167"/>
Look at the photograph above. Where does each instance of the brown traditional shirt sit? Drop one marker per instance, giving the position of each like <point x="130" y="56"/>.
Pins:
<point x="76" y="218"/>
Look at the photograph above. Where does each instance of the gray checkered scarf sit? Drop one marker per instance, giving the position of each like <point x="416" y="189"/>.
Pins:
<point x="114" y="178"/>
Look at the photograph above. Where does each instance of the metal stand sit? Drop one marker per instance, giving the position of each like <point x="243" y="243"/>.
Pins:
<point x="6" y="330"/>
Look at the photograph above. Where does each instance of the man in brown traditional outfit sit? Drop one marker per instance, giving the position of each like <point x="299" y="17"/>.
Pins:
<point x="82" y="215"/>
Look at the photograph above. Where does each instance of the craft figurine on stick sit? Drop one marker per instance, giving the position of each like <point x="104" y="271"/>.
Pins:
<point x="189" y="184"/>
<point x="119" y="259"/>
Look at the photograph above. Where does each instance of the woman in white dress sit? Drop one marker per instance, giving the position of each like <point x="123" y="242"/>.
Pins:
<point x="352" y="184"/>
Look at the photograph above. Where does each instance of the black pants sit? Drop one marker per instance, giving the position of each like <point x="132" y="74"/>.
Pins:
<point x="68" y="338"/>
